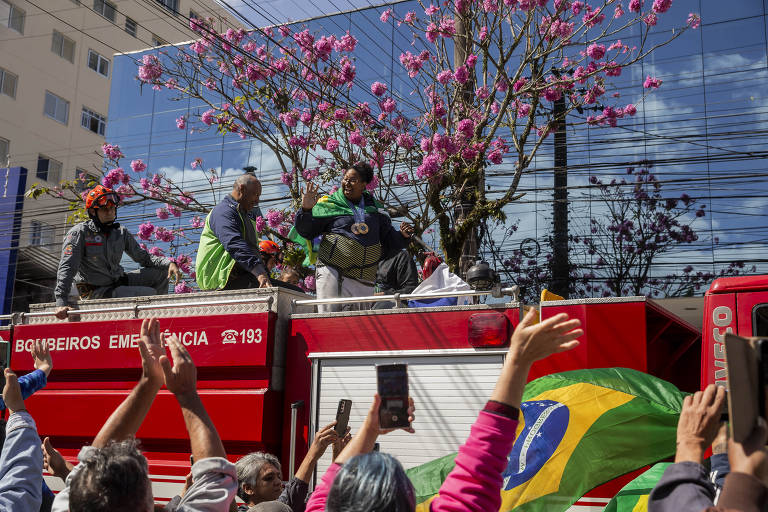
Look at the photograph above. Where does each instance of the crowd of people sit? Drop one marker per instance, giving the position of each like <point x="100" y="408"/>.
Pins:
<point x="346" y="236"/>
<point x="111" y="473"/>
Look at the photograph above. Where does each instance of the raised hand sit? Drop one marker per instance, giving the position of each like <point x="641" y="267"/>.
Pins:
<point x="699" y="422"/>
<point x="310" y="196"/>
<point x="533" y="341"/>
<point x="53" y="461"/>
<point x="181" y="377"/>
<point x="151" y="349"/>
<point x="42" y="356"/>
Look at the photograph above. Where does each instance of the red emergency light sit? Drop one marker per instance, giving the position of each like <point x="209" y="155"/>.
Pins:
<point x="489" y="329"/>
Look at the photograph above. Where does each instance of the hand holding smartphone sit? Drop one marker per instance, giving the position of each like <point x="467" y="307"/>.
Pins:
<point x="342" y="417"/>
<point x="392" y="383"/>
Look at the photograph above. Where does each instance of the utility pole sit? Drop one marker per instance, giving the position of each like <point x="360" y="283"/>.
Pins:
<point x="468" y="199"/>
<point x="560" y="265"/>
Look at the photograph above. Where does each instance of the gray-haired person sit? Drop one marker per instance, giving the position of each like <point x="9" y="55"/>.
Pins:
<point x="258" y="474"/>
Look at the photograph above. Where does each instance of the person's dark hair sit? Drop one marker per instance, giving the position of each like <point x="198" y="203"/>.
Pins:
<point x="364" y="170"/>
<point x="248" y="470"/>
<point x="372" y="482"/>
<point x="113" y="479"/>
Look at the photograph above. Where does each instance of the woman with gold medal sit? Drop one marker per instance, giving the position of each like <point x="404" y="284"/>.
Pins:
<point x="355" y="236"/>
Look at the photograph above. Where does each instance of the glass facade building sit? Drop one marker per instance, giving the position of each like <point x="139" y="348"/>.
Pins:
<point x="704" y="131"/>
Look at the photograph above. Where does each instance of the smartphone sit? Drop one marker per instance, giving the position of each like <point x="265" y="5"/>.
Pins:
<point x="746" y="360"/>
<point x="392" y="383"/>
<point x="342" y="416"/>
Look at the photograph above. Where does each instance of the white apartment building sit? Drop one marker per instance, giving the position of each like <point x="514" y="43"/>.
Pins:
<point x="55" y="78"/>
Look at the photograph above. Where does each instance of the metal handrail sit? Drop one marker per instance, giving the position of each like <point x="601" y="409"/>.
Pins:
<point x="398" y="297"/>
<point x="136" y="308"/>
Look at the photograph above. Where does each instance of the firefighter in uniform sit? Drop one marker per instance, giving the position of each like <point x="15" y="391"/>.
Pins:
<point x="91" y="254"/>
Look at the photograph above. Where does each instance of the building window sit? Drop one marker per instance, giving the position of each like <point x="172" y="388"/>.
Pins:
<point x="42" y="234"/>
<point x="8" y="83"/>
<point x="48" y="169"/>
<point x="5" y="151"/>
<point x="92" y="121"/>
<point x="171" y="5"/>
<point x="98" y="63"/>
<point x="158" y="41"/>
<point x="106" y="9"/>
<point x="63" y="46"/>
<point x="56" y="108"/>
<point x="12" y="16"/>
<point x="130" y="26"/>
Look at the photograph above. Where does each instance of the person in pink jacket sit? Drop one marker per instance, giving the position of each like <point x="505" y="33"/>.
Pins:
<point x="362" y="480"/>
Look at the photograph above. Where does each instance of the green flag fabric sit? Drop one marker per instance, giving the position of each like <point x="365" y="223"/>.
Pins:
<point x="328" y="206"/>
<point x="579" y="429"/>
<point x="633" y="497"/>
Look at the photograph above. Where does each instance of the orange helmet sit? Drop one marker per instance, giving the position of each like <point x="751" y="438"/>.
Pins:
<point x="101" y="196"/>
<point x="269" y="247"/>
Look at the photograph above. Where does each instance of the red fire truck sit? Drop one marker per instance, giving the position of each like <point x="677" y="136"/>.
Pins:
<point x="271" y="371"/>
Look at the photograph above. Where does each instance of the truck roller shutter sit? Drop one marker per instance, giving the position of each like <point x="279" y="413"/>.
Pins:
<point x="448" y="392"/>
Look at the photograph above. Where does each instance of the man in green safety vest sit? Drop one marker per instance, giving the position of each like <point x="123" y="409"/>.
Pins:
<point x="228" y="256"/>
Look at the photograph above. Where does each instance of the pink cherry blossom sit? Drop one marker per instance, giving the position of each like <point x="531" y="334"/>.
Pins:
<point x="618" y="12"/>
<point x="173" y="210"/>
<point x="182" y="288"/>
<point x="156" y="251"/>
<point x="274" y="218"/>
<point x="388" y="105"/>
<point x="286" y="178"/>
<point x="635" y="5"/>
<point x="650" y="19"/>
<point x="404" y="140"/>
<point x="138" y="166"/>
<point x="378" y="88"/>
<point x="112" y="151"/>
<point x="385" y="15"/>
<point x="402" y="178"/>
<point x="661" y="6"/>
<point x="161" y="213"/>
<point x="150" y="70"/>
<point x="309" y="283"/>
<point x="445" y="76"/>
<point x="146" y="230"/>
<point x="207" y="117"/>
<point x="471" y="60"/>
<point x="596" y="51"/>
<point x="461" y="75"/>
<point x="630" y="110"/>
<point x="331" y="144"/>
<point x="694" y="20"/>
<point x="357" y="139"/>
<point x="260" y="224"/>
<point x="347" y="43"/>
<point x="197" y="222"/>
<point x="431" y="10"/>
<point x="181" y="122"/>
<point x="652" y="82"/>
<point x="164" y="235"/>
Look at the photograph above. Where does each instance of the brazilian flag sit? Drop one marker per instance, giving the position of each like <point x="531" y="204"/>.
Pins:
<point x="579" y="429"/>
<point x="633" y="497"/>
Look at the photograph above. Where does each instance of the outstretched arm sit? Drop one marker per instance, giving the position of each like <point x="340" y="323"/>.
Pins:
<point x="474" y="483"/>
<point x="181" y="380"/>
<point x="21" y="461"/>
<point x="129" y="415"/>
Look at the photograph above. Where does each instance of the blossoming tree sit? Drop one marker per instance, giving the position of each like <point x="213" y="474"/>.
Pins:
<point x="618" y="251"/>
<point x="483" y="79"/>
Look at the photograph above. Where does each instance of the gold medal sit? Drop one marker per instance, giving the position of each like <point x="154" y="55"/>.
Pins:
<point x="362" y="228"/>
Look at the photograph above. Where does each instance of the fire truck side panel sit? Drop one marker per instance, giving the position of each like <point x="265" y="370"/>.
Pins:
<point x="96" y="363"/>
<point x="719" y="319"/>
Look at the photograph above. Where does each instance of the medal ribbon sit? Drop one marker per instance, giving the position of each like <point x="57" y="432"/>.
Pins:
<point x="358" y="211"/>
